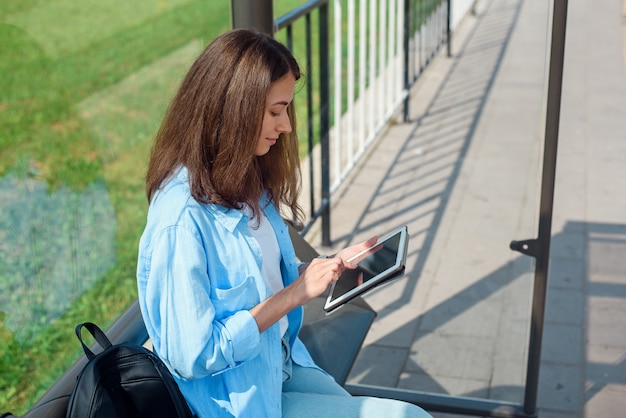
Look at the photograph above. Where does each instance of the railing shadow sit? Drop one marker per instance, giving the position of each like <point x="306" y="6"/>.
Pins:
<point x="585" y="267"/>
<point x="426" y="168"/>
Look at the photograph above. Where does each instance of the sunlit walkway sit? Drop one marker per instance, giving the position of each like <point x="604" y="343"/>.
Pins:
<point x="464" y="175"/>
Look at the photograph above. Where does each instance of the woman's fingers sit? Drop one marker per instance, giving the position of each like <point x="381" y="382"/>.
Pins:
<point x="319" y="274"/>
<point x="358" y="252"/>
<point x="328" y="269"/>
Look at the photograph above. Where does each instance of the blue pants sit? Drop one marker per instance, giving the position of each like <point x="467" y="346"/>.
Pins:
<point x="311" y="393"/>
<point x="308" y="392"/>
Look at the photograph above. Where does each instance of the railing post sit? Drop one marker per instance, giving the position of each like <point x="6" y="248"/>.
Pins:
<point x="253" y="14"/>
<point x="553" y="110"/>
<point x="406" y="58"/>
<point x="448" y="31"/>
<point x="325" y="121"/>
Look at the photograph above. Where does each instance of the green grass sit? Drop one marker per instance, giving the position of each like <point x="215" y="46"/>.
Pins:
<point x="83" y="87"/>
<point x="60" y="60"/>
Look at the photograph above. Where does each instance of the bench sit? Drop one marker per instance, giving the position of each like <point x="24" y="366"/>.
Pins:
<point x="347" y="327"/>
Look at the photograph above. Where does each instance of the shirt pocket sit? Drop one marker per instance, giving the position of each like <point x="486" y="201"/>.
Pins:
<point x="243" y="296"/>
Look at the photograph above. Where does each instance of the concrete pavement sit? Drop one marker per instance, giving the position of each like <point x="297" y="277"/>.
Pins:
<point x="464" y="175"/>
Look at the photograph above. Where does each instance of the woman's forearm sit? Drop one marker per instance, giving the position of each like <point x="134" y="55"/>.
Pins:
<point x="273" y="308"/>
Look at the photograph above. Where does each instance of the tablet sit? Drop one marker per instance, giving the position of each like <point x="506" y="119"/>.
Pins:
<point x="383" y="261"/>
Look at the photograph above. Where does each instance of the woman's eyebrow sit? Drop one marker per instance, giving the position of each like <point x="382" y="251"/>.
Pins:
<point x="281" y="102"/>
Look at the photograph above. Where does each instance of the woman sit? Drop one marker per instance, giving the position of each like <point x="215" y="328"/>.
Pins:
<point x="220" y="289"/>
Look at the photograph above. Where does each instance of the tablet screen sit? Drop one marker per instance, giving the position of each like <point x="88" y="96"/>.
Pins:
<point x="376" y="264"/>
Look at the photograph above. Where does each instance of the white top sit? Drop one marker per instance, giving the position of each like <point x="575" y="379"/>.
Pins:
<point x="266" y="237"/>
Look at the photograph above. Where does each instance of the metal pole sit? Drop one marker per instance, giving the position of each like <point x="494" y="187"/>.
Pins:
<point x="553" y="110"/>
<point x="405" y="57"/>
<point x="252" y="14"/>
<point x="448" y="31"/>
<point x="325" y="120"/>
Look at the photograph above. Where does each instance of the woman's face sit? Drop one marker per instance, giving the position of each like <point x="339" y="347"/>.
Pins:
<point x="275" y="118"/>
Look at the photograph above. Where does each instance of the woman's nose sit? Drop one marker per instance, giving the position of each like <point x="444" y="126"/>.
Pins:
<point x="284" y="124"/>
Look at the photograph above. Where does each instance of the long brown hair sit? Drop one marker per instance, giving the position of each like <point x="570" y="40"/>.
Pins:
<point x="213" y="124"/>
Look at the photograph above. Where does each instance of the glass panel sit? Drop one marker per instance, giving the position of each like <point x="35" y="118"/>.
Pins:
<point x="83" y="86"/>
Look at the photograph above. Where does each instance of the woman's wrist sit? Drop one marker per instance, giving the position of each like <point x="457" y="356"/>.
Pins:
<point x="302" y="267"/>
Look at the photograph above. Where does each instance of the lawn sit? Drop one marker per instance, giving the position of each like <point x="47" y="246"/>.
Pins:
<point x="83" y="86"/>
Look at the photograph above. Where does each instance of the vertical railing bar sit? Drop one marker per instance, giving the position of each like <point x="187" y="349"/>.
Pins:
<point x="400" y="85"/>
<point x="362" y="72"/>
<point x="427" y="29"/>
<point x="431" y="24"/>
<point x="422" y="35"/>
<point x="290" y="37"/>
<point x="435" y="16"/>
<point x="337" y="122"/>
<point x="398" y="43"/>
<point x="437" y="27"/>
<point x="350" y="94"/>
<point x="310" y="113"/>
<point x="324" y="121"/>
<point x="382" y="55"/>
<point x="448" y="31"/>
<point x="553" y="109"/>
<point x="410" y="44"/>
<point x="372" y="68"/>
<point x="406" y="57"/>
<point x="441" y="26"/>
<point x="391" y="34"/>
<point x="434" y="33"/>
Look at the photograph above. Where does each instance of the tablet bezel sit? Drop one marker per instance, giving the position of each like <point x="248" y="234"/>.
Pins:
<point x="392" y="272"/>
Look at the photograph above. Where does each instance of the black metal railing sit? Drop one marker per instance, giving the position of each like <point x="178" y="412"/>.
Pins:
<point x="426" y="30"/>
<point x="319" y="207"/>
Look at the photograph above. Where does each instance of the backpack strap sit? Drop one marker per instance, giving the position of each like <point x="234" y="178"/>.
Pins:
<point x="97" y="333"/>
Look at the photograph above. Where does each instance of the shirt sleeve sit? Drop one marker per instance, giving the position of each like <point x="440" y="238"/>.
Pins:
<point x="181" y="312"/>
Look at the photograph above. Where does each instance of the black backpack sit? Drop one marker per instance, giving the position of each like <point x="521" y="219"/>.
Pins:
<point x="125" y="380"/>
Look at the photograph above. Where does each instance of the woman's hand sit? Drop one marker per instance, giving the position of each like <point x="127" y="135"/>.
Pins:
<point x="321" y="272"/>
<point x="358" y="250"/>
<point x="314" y="279"/>
<point x="317" y="276"/>
<point x="312" y="282"/>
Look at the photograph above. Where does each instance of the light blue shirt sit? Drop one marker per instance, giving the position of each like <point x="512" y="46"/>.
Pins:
<point x="199" y="274"/>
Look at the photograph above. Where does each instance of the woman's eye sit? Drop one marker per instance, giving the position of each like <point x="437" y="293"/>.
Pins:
<point x="275" y="114"/>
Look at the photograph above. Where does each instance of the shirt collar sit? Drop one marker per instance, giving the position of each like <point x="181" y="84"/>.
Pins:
<point x="229" y="218"/>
